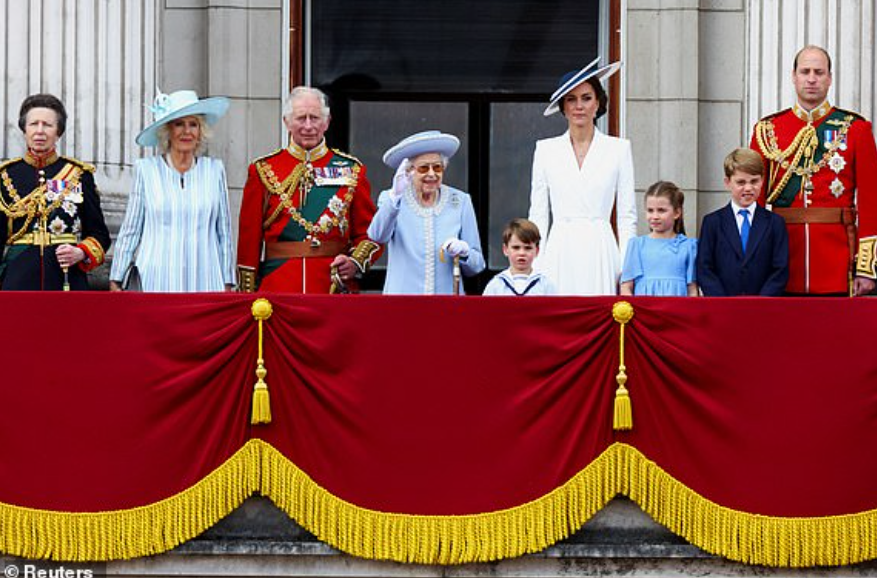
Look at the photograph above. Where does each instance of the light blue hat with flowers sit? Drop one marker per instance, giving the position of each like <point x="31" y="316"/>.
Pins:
<point x="430" y="141"/>
<point x="179" y="104"/>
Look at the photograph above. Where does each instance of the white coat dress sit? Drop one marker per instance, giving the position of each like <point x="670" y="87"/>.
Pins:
<point x="580" y="253"/>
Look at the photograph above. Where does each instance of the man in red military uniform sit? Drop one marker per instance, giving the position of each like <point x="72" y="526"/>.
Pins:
<point x="822" y="179"/>
<point x="309" y="207"/>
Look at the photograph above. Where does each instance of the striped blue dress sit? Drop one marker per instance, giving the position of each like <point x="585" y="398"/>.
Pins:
<point x="177" y="228"/>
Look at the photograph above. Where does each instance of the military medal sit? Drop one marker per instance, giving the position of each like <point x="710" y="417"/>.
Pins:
<point x="837" y="163"/>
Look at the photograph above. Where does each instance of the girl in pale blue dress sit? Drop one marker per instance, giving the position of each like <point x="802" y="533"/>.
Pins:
<point x="662" y="262"/>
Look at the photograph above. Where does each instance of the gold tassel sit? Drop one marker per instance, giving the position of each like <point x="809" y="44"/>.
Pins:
<point x="622" y="417"/>
<point x="261" y="402"/>
<point x="261" y="399"/>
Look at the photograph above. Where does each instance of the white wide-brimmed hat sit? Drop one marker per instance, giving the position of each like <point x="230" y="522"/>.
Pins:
<point x="430" y="141"/>
<point x="168" y="107"/>
<point x="572" y="79"/>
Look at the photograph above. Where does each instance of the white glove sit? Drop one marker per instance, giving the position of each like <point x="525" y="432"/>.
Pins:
<point x="401" y="181"/>
<point x="455" y="247"/>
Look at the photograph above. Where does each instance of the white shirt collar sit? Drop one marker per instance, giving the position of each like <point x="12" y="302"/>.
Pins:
<point x="737" y="208"/>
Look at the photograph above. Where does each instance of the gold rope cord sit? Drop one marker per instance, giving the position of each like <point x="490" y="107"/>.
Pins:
<point x="622" y="417"/>
<point x="261" y="412"/>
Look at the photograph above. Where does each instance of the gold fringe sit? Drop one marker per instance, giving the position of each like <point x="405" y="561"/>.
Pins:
<point x="741" y="536"/>
<point x="621" y="469"/>
<point x="121" y="534"/>
<point x="437" y="539"/>
<point x="530" y="527"/>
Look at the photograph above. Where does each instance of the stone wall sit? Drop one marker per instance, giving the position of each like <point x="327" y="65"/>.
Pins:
<point x="698" y="74"/>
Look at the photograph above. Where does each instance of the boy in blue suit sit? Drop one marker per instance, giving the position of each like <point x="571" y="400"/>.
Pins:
<point x="743" y="248"/>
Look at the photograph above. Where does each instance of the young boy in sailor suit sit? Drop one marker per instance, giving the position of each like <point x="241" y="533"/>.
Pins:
<point x="520" y="243"/>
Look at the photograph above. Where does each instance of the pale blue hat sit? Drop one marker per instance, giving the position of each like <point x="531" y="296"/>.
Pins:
<point x="168" y="107"/>
<point x="572" y="79"/>
<point x="431" y="141"/>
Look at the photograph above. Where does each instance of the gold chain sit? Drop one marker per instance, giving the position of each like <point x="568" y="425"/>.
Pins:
<point x="285" y="192"/>
<point x="804" y="144"/>
<point x="32" y="205"/>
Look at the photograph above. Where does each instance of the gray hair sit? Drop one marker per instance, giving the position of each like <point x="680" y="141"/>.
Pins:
<point x="163" y="135"/>
<point x="300" y="91"/>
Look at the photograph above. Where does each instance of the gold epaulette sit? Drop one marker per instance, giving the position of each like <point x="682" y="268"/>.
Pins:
<point x="82" y="165"/>
<point x="268" y="156"/>
<point x="776" y="114"/>
<point x="347" y="156"/>
<point x="5" y="164"/>
<point x="851" y="113"/>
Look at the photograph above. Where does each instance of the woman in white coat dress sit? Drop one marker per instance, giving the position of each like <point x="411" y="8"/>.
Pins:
<point x="577" y="179"/>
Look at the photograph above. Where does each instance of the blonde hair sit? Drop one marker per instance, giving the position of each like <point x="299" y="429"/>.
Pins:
<point x="669" y="191"/>
<point x="163" y="135"/>
<point x="744" y="160"/>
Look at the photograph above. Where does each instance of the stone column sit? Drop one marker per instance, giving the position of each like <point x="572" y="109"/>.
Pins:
<point x="663" y="110"/>
<point x="98" y="58"/>
<point x="777" y="30"/>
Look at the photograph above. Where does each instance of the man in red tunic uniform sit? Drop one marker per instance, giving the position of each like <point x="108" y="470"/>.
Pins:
<point x="308" y="207"/>
<point x="822" y="179"/>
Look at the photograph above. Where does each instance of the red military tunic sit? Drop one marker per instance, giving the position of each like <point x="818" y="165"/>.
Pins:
<point x="304" y="208"/>
<point x="821" y="172"/>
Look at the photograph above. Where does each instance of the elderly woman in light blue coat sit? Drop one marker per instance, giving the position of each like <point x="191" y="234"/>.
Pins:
<point x="425" y="223"/>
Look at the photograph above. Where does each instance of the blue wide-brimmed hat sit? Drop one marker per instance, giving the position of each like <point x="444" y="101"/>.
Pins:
<point x="572" y="79"/>
<point x="179" y="104"/>
<point x="431" y="141"/>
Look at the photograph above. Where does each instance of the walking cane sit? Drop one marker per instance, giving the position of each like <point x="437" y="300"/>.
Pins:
<point x="457" y="275"/>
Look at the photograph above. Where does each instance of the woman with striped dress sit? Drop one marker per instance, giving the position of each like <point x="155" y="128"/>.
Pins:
<point x="177" y="229"/>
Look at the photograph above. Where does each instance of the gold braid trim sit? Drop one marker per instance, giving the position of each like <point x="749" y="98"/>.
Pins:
<point x="33" y="204"/>
<point x="95" y="251"/>
<point x="284" y="190"/>
<point x="300" y="177"/>
<point x="802" y="148"/>
<point x="866" y="258"/>
<point x="363" y="254"/>
<point x="143" y="531"/>
<point x="246" y="279"/>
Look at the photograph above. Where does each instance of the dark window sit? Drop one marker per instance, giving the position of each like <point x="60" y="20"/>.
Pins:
<point x="480" y="69"/>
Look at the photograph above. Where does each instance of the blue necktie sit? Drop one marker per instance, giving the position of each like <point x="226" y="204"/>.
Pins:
<point x="744" y="228"/>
